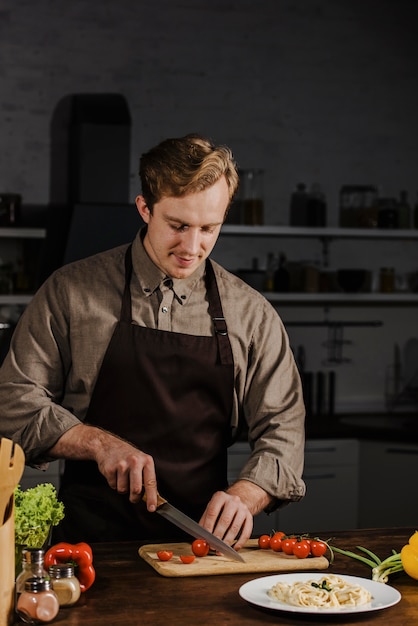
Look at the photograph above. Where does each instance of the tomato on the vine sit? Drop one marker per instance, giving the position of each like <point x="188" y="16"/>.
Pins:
<point x="165" y="555"/>
<point x="264" y="542"/>
<point x="302" y="549"/>
<point x="287" y="544"/>
<point x="276" y="541"/>
<point x="200" y="547"/>
<point x="318" y="547"/>
<point x="187" y="558"/>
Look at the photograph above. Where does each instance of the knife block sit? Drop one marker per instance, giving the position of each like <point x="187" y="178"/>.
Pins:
<point x="7" y="569"/>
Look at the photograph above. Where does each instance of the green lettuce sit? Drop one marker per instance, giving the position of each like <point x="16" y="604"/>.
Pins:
<point x="36" y="511"/>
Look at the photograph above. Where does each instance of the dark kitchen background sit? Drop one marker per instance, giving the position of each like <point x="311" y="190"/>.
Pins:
<point x="318" y="92"/>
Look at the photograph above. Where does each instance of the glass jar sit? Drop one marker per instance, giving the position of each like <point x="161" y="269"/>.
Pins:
<point x="387" y="280"/>
<point x="251" y="195"/>
<point x="32" y="567"/>
<point x="64" y="583"/>
<point x="38" y="602"/>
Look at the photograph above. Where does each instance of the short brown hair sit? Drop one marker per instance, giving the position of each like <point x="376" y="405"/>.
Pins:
<point x="183" y="165"/>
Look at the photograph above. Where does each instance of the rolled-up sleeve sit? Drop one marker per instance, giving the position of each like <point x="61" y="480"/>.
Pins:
<point x="268" y="394"/>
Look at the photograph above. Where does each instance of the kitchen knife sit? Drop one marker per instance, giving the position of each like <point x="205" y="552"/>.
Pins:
<point x="187" y="524"/>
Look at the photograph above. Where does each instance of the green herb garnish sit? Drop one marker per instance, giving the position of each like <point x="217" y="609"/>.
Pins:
<point x="323" y="585"/>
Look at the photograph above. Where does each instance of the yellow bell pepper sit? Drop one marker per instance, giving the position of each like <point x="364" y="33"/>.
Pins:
<point x="409" y="556"/>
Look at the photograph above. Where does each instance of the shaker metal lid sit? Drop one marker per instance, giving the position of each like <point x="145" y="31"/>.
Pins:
<point x="36" y="585"/>
<point x="61" y="570"/>
<point x="33" y="555"/>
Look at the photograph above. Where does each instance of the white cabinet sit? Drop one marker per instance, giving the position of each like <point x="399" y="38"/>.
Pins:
<point x="331" y="475"/>
<point x="388" y="491"/>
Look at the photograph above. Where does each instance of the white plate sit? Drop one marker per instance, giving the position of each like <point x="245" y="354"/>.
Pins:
<point x="255" y="592"/>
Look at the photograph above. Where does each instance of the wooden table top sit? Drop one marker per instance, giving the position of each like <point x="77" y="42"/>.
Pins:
<point x="127" y="591"/>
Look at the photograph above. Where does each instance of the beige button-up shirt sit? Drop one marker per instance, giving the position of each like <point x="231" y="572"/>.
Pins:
<point x="48" y="376"/>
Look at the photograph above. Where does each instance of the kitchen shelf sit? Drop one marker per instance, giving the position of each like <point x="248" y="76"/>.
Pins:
<point x="342" y="298"/>
<point x="15" y="298"/>
<point x="326" y="234"/>
<point x="318" y="232"/>
<point x="22" y="233"/>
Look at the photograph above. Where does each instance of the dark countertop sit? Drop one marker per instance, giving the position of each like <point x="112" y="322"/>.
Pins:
<point x="128" y="591"/>
<point x="400" y="427"/>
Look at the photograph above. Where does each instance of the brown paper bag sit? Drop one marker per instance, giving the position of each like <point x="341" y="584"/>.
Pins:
<point x="7" y="568"/>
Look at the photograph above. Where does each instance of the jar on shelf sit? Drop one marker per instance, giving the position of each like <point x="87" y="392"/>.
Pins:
<point x="358" y="206"/>
<point x="387" y="280"/>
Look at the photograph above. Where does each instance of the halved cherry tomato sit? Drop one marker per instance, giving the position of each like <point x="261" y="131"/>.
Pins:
<point x="302" y="549"/>
<point x="165" y="555"/>
<point x="276" y="541"/>
<point x="187" y="558"/>
<point x="318" y="547"/>
<point x="200" y="547"/>
<point x="287" y="544"/>
<point x="264" y="542"/>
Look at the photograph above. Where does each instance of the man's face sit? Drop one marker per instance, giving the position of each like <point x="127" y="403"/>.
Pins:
<point x="182" y="231"/>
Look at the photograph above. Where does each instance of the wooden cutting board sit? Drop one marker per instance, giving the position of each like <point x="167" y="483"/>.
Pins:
<point x="256" y="560"/>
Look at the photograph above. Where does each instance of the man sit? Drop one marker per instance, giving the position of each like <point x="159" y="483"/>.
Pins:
<point x="136" y="364"/>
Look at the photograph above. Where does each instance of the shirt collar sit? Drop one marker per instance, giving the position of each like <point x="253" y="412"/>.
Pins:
<point x="150" y="277"/>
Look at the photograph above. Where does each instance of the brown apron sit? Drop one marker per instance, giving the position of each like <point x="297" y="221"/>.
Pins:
<point x="170" y="394"/>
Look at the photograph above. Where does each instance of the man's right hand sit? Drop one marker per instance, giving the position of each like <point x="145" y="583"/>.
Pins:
<point x="126" y="469"/>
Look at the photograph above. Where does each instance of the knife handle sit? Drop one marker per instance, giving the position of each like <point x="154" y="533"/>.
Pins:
<point x="160" y="500"/>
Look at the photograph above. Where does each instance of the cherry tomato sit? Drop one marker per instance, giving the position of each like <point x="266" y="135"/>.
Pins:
<point x="187" y="558"/>
<point x="318" y="547"/>
<point x="200" y="547"/>
<point x="165" y="555"/>
<point x="264" y="542"/>
<point x="302" y="549"/>
<point x="276" y="541"/>
<point x="287" y="544"/>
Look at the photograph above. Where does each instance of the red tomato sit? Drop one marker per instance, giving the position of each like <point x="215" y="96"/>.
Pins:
<point x="302" y="549"/>
<point x="318" y="547"/>
<point x="187" y="558"/>
<point x="276" y="541"/>
<point x="287" y="544"/>
<point x="200" y="547"/>
<point x="264" y="542"/>
<point x="165" y="555"/>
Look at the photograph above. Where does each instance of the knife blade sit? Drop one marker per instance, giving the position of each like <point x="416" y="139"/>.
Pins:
<point x="186" y="523"/>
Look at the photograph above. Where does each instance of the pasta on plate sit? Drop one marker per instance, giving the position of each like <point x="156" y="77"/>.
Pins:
<point x="330" y="591"/>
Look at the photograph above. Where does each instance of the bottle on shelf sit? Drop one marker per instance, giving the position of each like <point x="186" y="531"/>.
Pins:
<point x="388" y="214"/>
<point x="415" y="223"/>
<point x="299" y="206"/>
<point x="281" y="276"/>
<point x="271" y="267"/>
<point x="404" y="211"/>
<point x="317" y="206"/>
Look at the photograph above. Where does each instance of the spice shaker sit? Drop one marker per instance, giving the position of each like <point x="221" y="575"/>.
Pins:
<point x="38" y="602"/>
<point x="32" y="567"/>
<point x="64" y="583"/>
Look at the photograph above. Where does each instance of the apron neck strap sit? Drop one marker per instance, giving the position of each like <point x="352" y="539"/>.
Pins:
<point x="216" y="313"/>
